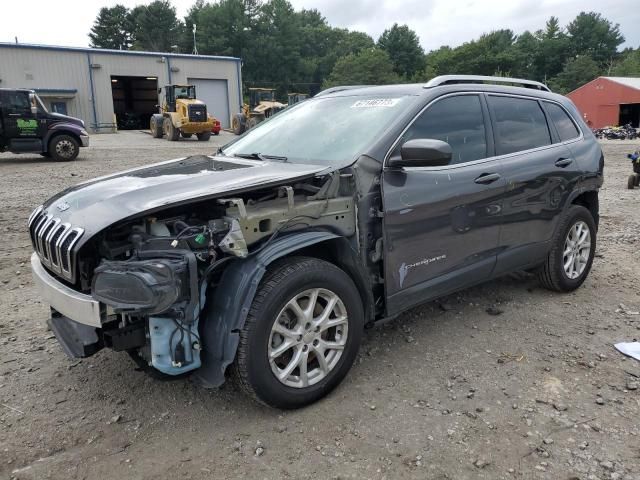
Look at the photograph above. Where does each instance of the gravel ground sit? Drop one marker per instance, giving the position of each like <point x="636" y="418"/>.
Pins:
<point x="505" y="380"/>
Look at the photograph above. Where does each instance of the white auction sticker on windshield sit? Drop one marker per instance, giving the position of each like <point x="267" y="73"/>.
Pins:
<point x="376" y="102"/>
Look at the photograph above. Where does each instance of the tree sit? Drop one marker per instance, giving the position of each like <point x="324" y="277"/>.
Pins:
<point x="592" y="35"/>
<point x="155" y="27"/>
<point x="403" y="47"/>
<point x="629" y="64"/>
<point x="369" y="67"/>
<point x="111" y="29"/>
<point x="576" y="73"/>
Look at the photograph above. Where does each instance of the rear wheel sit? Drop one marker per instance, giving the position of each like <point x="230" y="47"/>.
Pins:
<point x="631" y="182"/>
<point x="301" y="335"/>
<point x="173" y="133"/>
<point x="571" y="256"/>
<point x="64" y="148"/>
<point x="204" y="136"/>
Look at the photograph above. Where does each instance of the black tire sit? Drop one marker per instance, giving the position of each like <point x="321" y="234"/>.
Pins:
<point x="238" y="124"/>
<point x="204" y="136"/>
<point x="173" y="133"/>
<point x="64" y="148"/>
<point x="552" y="274"/>
<point x="288" y="278"/>
<point x="637" y="177"/>
<point x="631" y="182"/>
<point x="156" y="128"/>
<point x="186" y="135"/>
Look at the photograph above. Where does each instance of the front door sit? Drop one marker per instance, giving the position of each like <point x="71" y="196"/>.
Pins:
<point x="22" y="127"/>
<point x="442" y="224"/>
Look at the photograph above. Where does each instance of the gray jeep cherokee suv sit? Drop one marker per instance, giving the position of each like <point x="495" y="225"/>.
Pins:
<point x="267" y="259"/>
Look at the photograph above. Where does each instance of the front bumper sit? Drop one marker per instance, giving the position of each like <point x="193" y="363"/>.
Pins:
<point x="84" y="140"/>
<point x="76" y="306"/>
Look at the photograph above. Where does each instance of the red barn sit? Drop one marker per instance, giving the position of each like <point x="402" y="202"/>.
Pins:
<point x="608" y="101"/>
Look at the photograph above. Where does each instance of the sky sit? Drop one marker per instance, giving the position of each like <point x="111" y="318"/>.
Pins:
<point x="437" y="22"/>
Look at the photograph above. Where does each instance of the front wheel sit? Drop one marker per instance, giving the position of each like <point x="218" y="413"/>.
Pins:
<point x="573" y="247"/>
<point x="238" y="124"/>
<point x="64" y="148"/>
<point x="301" y="335"/>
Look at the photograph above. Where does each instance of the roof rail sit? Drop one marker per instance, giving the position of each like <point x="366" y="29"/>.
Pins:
<point x="327" y="91"/>
<point x="457" y="79"/>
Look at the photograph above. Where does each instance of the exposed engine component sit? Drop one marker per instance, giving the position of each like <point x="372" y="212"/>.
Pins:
<point x="153" y="272"/>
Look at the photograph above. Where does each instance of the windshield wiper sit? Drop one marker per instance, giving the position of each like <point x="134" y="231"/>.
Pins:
<point x="260" y="156"/>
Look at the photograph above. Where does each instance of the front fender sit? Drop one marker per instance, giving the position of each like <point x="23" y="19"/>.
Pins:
<point x="227" y="309"/>
<point x="62" y="127"/>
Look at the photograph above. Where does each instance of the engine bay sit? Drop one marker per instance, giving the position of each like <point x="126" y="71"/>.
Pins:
<point x="153" y="272"/>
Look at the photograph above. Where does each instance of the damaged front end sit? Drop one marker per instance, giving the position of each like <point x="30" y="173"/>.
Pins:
<point x="152" y="275"/>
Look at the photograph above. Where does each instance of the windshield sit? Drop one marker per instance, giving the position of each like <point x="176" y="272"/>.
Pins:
<point x="325" y="131"/>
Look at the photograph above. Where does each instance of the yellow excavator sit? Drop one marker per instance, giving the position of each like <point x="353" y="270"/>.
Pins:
<point x="182" y="114"/>
<point x="262" y="105"/>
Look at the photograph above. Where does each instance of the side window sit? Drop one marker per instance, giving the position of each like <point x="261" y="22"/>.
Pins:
<point x="456" y="120"/>
<point x="567" y="130"/>
<point x="520" y="124"/>
<point x="17" y="102"/>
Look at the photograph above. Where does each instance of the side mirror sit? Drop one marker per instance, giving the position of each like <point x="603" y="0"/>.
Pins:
<point x="422" y="152"/>
<point x="159" y="90"/>
<point x="33" y="103"/>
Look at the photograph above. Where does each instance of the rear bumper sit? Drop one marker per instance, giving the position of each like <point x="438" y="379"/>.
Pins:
<point x="76" y="306"/>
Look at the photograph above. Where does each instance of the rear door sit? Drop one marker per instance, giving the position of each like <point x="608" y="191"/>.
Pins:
<point x="540" y="172"/>
<point x="442" y="223"/>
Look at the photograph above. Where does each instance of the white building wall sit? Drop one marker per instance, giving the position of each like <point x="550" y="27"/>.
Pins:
<point x="89" y="71"/>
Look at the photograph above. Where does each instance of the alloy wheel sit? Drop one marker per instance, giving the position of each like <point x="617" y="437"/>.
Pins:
<point x="577" y="248"/>
<point x="308" y="338"/>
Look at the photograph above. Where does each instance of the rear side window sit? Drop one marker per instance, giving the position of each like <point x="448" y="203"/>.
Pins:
<point x="520" y="124"/>
<point x="567" y="130"/>
<point x="456" y="120"/>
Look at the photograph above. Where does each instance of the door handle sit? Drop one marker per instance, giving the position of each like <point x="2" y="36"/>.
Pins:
<point x="487" y="178"/>
<point x="563" y="162"/>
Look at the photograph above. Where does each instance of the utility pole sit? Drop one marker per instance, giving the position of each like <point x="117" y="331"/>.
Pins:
<point x="195" y="47"/>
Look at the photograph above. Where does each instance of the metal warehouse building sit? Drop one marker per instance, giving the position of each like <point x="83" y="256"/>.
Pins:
<point x="110" y="88"/>
<point x="608" y="101"/>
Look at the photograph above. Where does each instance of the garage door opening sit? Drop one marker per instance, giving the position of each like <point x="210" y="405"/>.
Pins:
<point x="134" y="101"/>
<point x="630" y="113"/>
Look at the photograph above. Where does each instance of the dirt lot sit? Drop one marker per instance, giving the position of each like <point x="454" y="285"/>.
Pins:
<point x="447" y="391"/>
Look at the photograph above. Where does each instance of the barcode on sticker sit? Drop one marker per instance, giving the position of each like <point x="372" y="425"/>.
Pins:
<point x="376" y="102"/>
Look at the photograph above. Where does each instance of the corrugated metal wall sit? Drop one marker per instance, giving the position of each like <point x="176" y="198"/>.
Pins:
<point x="599" y="101"/>
<point x="89" y="71"/>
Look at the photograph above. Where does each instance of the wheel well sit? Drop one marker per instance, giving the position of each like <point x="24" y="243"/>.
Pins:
<point x="590" y="201"/>
<point x="339" y="252"/>
<point x="63" y="132"/>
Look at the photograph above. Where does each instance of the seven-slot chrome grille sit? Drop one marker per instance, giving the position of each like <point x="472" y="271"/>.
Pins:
<point x="53" y="240"/>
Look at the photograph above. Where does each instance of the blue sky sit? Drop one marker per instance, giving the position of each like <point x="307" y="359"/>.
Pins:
<point x="437" y="22"/>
